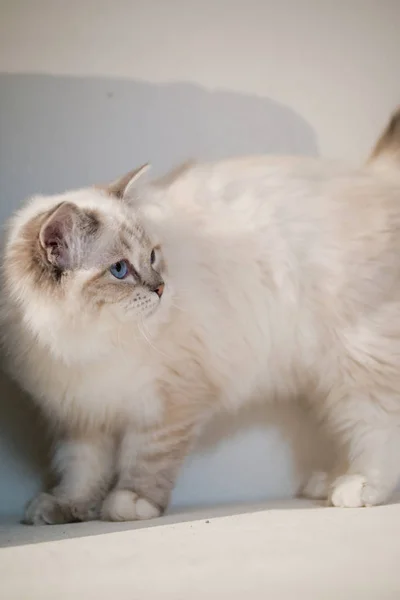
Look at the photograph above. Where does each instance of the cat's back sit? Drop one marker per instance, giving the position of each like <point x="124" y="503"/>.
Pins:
<point x="263" y="175"/>
<point x="319" y="223"/>
<point x="289" y="191"/>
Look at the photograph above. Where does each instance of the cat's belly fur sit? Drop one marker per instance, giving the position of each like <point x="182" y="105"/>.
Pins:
<point x="103" y="394"/>
<point x="124" y="389"/>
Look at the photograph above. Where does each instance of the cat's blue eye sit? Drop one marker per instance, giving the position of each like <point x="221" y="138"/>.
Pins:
<point x="120" y="269"/>
<point x="153" y="257"/>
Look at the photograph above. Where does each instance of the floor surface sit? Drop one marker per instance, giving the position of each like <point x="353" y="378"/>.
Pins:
<point x="288" y="550"/>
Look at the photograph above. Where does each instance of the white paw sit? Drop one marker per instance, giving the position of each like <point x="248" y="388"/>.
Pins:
<point x="124" y="505"/>
<point x="353" y="491"/>
<point x="317" y="487"/>
<point x="44" y="509"/>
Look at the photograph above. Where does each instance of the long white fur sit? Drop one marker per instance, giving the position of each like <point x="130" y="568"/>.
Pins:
<point x="282" y="279"/>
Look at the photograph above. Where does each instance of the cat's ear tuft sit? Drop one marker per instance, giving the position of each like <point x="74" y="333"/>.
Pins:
<point x="123" y="186"/>
<point x="59" y="235"/>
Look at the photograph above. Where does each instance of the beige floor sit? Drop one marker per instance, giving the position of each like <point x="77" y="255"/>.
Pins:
<point x="289" y="550"/>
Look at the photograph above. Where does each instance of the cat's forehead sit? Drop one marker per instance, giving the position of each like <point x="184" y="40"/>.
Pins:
<point x="118" y="226"/>
<point x="132" y="233"/>
<point x="121" y="226"/>
<point x="117" y="217"/>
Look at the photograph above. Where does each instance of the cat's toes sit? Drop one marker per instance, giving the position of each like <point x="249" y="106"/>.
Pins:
<point x="45" y="509"/>
<point x="353" y="491"/>
<point x="317" y="486"/>
<point x="371" y="495"/>
<point x="125" y="505"/>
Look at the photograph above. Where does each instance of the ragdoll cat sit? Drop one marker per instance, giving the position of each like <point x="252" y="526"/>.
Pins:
<point x="134" y="314"/>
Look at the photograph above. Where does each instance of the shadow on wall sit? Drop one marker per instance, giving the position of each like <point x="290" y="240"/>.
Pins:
<point x="58" y="133"/>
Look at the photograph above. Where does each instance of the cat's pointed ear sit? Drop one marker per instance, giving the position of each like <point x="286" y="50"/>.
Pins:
<point x="387" y="149"/>
<point x="171" y="176"/>
<point x="121" y="187"/>
<point x="64" y="235"/>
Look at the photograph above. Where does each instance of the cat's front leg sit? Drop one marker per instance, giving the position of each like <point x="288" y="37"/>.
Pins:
<point x="84" y="467"/>
<point x="148" y="463"/>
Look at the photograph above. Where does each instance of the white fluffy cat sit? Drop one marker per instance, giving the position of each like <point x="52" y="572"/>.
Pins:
<point x="133" y="314"/>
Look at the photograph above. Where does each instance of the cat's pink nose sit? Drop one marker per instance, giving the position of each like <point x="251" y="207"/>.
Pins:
<point x="159" y="290"/>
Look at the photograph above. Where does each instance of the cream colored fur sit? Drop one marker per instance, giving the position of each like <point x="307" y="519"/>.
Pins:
<point x="281" y="279"/>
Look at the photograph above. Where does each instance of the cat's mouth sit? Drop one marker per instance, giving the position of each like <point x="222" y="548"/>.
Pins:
<point x="153" y="309"/>
<point x="148" y="309"/>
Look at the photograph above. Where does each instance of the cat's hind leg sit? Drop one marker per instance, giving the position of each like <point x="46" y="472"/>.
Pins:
<point x="365" y="422"/>
<point x="317" y="486"/>
<point x="374" y="467"/>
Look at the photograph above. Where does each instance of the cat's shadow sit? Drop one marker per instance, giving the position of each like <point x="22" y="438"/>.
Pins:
<point x="24" y="448"/>
<point x="75" y="131"/>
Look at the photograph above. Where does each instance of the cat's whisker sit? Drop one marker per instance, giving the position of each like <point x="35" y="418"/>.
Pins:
<point x="122" y="344"/>
<point x="178" y="307"/>
<point x="175" y="301"/>
<point x="119" y="341"/>
<point x="141" y="327"/>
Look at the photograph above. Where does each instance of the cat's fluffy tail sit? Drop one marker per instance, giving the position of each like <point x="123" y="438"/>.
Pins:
<point x="386" y="153"/>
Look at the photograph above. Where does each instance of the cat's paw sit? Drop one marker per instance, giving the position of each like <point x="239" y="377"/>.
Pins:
<point x="125" y="505"/>
<point x="317" y="486"/>
<point x="354" y="491"/>
<point x="45" y="509"/>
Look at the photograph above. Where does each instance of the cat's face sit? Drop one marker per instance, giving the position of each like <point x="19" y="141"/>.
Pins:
<point x="80" y="266"/>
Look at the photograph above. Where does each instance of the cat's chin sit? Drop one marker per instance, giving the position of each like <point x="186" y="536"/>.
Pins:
<point x="156" y="316"/>
<point x="153" y="316"/>
<point x="157" y="312"/>
<point x="146" y="314"/>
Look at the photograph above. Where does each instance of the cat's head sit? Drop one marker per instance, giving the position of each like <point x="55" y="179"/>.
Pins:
<point x="80" y="268"/>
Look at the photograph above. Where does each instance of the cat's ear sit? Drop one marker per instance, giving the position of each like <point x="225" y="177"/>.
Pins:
<point x="171" y="176"/>
<point x="65" y="233"/>
<point x="387" y="149"/>
<point x="121" y="187"/>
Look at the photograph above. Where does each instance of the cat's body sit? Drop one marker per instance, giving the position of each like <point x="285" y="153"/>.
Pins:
<point x="281" y="279"/>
